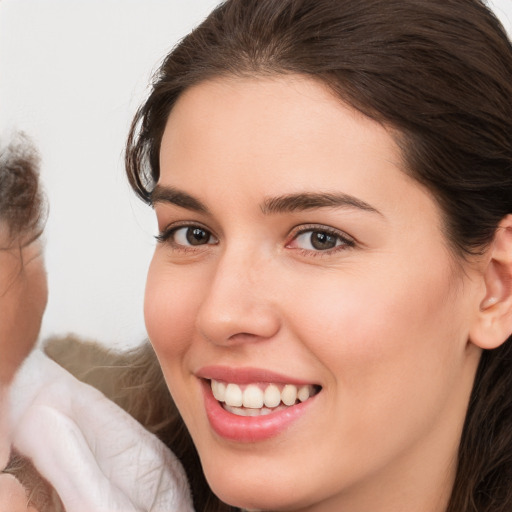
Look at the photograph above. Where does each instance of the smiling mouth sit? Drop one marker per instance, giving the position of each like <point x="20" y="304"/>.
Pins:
<point x="260" y="399"/>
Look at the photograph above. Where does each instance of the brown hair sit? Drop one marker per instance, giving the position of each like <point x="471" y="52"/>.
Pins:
<point x="439" y="72"/>
<point x="21" y="200"/>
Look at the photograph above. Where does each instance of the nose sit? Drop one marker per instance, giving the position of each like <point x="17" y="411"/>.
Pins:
<point x="238" y="306"/>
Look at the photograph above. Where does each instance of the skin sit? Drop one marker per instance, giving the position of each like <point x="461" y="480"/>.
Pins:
<point x="23" y="297"/>
<point x="13" y="497"/>
<point x="380" y="322"/>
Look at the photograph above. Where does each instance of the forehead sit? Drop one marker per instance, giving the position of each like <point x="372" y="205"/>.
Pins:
<point x="281" y="132"/>
<point x="302" y="105"/>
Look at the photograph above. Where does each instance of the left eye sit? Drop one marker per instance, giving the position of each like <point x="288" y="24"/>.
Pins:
<point x="319" y="240"/>
<point x="192" y="235"/>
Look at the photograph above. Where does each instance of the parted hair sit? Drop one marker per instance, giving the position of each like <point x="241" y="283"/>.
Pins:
<point x="438" y="73"/>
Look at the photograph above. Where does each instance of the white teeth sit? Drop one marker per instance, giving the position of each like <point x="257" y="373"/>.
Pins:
<point x="240" y="411"/>
<point x="272" y="396"/>
<point x="289" y="394"/>
<point x="255" y="398"/>
<point x="304" y="393"/>
<point x="218" y="390"/>
<point x="233" y="395"/>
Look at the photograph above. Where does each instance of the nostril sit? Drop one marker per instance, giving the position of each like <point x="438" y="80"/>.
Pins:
<point x="243" y="337"/>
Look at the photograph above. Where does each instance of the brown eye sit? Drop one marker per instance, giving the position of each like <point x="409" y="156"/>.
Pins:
<point x="186" y="236"/>
<point x="317" y="239"/>
<point x="197" y="236"/>
<point x="191" y="236"/>
<point x="321" y="241"/>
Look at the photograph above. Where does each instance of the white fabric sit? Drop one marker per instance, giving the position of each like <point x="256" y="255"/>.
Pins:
<point x="96" y="456"/>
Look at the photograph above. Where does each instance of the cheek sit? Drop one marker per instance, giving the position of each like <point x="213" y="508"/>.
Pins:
<point x="170" y="310"/>
<point x="170" y="306"/>
<point x="387" y="308"/>
<point x="386" y="335"/>
<point x="393" y="358"/>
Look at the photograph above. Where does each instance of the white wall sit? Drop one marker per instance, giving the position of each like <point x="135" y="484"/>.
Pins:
<point x="503" y="9"/>
<point x="72" y="73"/>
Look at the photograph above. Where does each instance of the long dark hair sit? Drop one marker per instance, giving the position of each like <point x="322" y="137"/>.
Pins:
<point x="439" y="74"/>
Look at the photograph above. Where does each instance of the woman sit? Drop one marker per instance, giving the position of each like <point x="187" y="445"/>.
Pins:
<point x="330" y="297"/>
<point x="88" y="450"/>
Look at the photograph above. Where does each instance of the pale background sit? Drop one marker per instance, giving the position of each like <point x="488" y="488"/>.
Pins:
<point x="72" y="73"/>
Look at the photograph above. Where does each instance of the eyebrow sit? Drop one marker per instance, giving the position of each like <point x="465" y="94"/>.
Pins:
<point x="288" y="203"/>
<point x="161" y="194"/>
<point x="311" y="200"/>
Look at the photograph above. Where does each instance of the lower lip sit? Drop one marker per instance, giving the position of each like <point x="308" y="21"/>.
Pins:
<point x="249" y="429"/>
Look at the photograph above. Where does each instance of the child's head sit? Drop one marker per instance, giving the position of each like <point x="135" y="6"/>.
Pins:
<point x="23" y="290"/>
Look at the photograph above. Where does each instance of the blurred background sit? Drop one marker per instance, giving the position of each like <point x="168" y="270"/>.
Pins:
<point x="72" y="74"/>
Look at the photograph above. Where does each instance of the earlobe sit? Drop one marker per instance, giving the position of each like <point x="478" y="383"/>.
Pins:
<point x="493" y="322"/>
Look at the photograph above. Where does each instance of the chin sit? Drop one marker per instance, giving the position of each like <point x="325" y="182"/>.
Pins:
<point x="244" y="499"/>
<point x="253" y="491"/>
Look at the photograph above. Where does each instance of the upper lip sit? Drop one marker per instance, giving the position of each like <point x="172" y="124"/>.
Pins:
<point x="247" y="375"/>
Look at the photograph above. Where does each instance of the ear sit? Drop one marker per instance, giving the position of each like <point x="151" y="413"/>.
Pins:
<point x="493" y="323"/>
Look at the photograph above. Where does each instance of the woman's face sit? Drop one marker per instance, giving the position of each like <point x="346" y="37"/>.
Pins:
<point x="295" y="255"/>
<point x="23" y="295"/>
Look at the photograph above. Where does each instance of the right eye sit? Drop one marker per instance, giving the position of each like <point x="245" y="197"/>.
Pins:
<point x="187" y="236"/>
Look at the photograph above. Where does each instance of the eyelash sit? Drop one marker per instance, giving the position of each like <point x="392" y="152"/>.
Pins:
<point x="167" y="236"/>
<point x="347" y="242"/>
